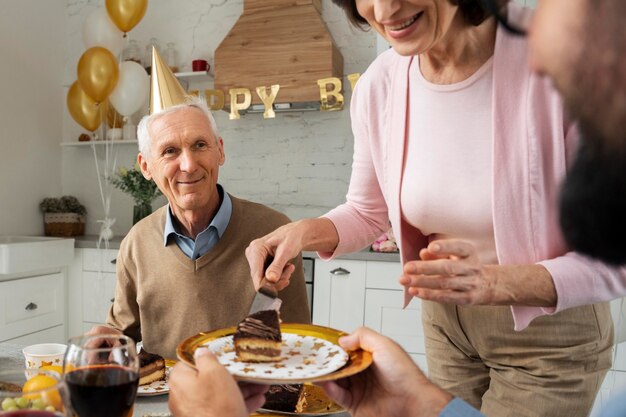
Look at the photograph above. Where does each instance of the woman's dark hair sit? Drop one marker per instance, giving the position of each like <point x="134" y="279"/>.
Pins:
<point x="472" y="10"/>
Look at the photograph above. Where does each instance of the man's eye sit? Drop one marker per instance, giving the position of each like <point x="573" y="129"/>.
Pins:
<point x="169" y="151"/>
<point x="201" y="145"/>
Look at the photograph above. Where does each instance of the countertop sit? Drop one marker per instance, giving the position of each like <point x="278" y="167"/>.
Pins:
<point x="91" y="242"/>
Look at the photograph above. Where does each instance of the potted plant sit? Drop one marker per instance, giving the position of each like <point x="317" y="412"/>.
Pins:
<point x="63" y="216"/>
<point x="142" y="191"/>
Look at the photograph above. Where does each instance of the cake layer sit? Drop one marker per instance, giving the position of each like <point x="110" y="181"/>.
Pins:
<point x="158" y="365"/>
<point x="258" y="337"/>
<point x="157" y="375"/>
<point x="152" y="367"/>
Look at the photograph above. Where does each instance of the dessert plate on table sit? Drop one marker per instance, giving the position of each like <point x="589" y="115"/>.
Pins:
<point x="157" y="387"/>
<point x="310" y="353"/>
<point x="317" y="404"/>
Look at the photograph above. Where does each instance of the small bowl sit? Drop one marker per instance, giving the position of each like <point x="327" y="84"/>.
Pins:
<point x="44" y="354"/>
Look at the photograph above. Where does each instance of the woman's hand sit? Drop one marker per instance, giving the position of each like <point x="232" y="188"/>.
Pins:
<point x="210" y="391"/>
<point x="269" y="256"/>
<point x="451" y="272"/>
<point x="392" y="386"/>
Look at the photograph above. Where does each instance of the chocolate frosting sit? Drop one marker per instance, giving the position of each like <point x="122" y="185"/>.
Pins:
<point x="146" y="358"/>
<point x="263" y="325"/>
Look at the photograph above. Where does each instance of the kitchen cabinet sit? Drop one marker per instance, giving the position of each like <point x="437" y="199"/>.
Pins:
<point x="92" y="288"/>
<point x="339" y="294"/>
<point x="350" y="293"/>
<point x="33" y="309"/>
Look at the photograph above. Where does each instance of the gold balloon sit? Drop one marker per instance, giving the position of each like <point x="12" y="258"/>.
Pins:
<point x="126" y="13"/>
<point x="83" y="109"/>
<point x="98" y="73"/>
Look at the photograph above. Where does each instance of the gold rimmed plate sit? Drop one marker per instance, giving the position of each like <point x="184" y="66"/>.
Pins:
<point x="357" y="361"/>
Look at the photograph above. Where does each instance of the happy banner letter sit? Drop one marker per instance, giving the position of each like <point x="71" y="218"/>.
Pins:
<point x="234" y="105"/>
<point x="268" y="101"/>
<point x="331" y="99"/>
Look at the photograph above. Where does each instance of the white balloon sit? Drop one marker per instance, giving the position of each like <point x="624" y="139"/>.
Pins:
<point x="133" y="87"/>
<point x="99" y="30"/>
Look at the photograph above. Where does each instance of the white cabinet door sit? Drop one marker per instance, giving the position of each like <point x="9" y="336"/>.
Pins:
<point x="98" y="293"/>
<point x="31" y="304"/>
<point x="339" y="297"/>
<point x="97" y="260"/>
<point x="383" y="275"/>
<point x="384" y="313"/>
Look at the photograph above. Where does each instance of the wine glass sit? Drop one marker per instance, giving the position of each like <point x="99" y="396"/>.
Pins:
<point x="32" y="393"/>
<point x="102" y="375"/>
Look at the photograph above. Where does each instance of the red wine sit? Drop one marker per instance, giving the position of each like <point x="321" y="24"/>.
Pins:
<point x="28" y="413"/>
<point x="102" y="391"/>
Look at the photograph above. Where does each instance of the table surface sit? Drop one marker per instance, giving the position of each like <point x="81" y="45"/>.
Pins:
<point x="11" y="357"/>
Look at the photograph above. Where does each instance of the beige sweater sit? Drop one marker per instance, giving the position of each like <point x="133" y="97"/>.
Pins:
<point x="162" y="297"/>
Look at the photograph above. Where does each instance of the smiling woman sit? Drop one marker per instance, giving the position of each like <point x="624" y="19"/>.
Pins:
<point x="441" y="127"/>
<point x="473" y="10"/>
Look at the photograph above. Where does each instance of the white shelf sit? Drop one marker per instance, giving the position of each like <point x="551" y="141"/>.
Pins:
<point x="100" y="142"/>
<point x="194" y="76"/>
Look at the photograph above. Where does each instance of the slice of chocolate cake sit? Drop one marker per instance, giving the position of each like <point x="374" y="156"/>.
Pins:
<point x="288" y="398"/>
<point x="258" y="337"/>
<point x="152" y="367"/>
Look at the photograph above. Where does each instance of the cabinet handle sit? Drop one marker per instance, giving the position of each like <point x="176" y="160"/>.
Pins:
<point x="31" y="306"/>
<point x="113" y="261"/>
<point x="112" y="300"/>
<point x="340" y="271"/>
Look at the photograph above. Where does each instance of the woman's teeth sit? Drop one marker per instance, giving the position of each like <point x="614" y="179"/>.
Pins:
<point x="406" y="24"/>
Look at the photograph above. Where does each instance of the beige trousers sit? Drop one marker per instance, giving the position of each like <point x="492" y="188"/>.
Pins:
<point x="553" y="368"/>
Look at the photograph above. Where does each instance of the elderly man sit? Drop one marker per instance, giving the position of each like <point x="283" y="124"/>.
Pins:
<point x="579" y="44"/>
<point x="182" y="270"/>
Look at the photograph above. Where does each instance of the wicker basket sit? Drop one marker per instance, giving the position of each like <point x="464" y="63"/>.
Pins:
<point x="63" y="224"/>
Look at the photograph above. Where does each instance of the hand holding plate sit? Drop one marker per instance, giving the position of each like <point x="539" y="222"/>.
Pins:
<point x="393" y="385"/>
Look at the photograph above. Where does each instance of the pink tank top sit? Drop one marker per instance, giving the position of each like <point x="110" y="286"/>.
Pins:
<point x="447" y="183"/>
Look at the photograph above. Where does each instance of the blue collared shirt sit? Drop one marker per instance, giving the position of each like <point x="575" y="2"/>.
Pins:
<point x="459" y="408"/>
<point x="206" y="239"/>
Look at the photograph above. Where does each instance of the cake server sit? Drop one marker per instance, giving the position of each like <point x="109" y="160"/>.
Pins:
<point x="266" y="297"/>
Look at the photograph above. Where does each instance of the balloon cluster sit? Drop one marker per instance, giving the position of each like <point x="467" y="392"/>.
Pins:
<point x="100" y="79"/>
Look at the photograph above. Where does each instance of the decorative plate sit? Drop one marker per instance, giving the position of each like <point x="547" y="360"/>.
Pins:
<point x="296" y="335"/>
<point x="302" y="357"/>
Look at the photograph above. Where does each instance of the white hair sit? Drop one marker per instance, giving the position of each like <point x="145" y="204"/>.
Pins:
<point x="143" y="133"/>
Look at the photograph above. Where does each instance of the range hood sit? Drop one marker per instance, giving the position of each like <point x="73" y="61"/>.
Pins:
<point x="282" y="42"/>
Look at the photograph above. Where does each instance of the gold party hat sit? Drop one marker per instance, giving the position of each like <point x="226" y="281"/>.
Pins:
<point x="165" y="90"/>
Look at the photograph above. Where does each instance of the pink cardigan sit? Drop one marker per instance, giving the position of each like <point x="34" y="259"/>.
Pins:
<point x="533" y="145"/>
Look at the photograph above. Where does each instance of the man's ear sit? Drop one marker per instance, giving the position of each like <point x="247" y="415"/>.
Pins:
<point x="143" y="164"/>
<point x="220" y="144"/>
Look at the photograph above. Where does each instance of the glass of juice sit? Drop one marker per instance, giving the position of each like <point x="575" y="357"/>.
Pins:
<point x="32" y="393"/>
<point x="102" y="375"/>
